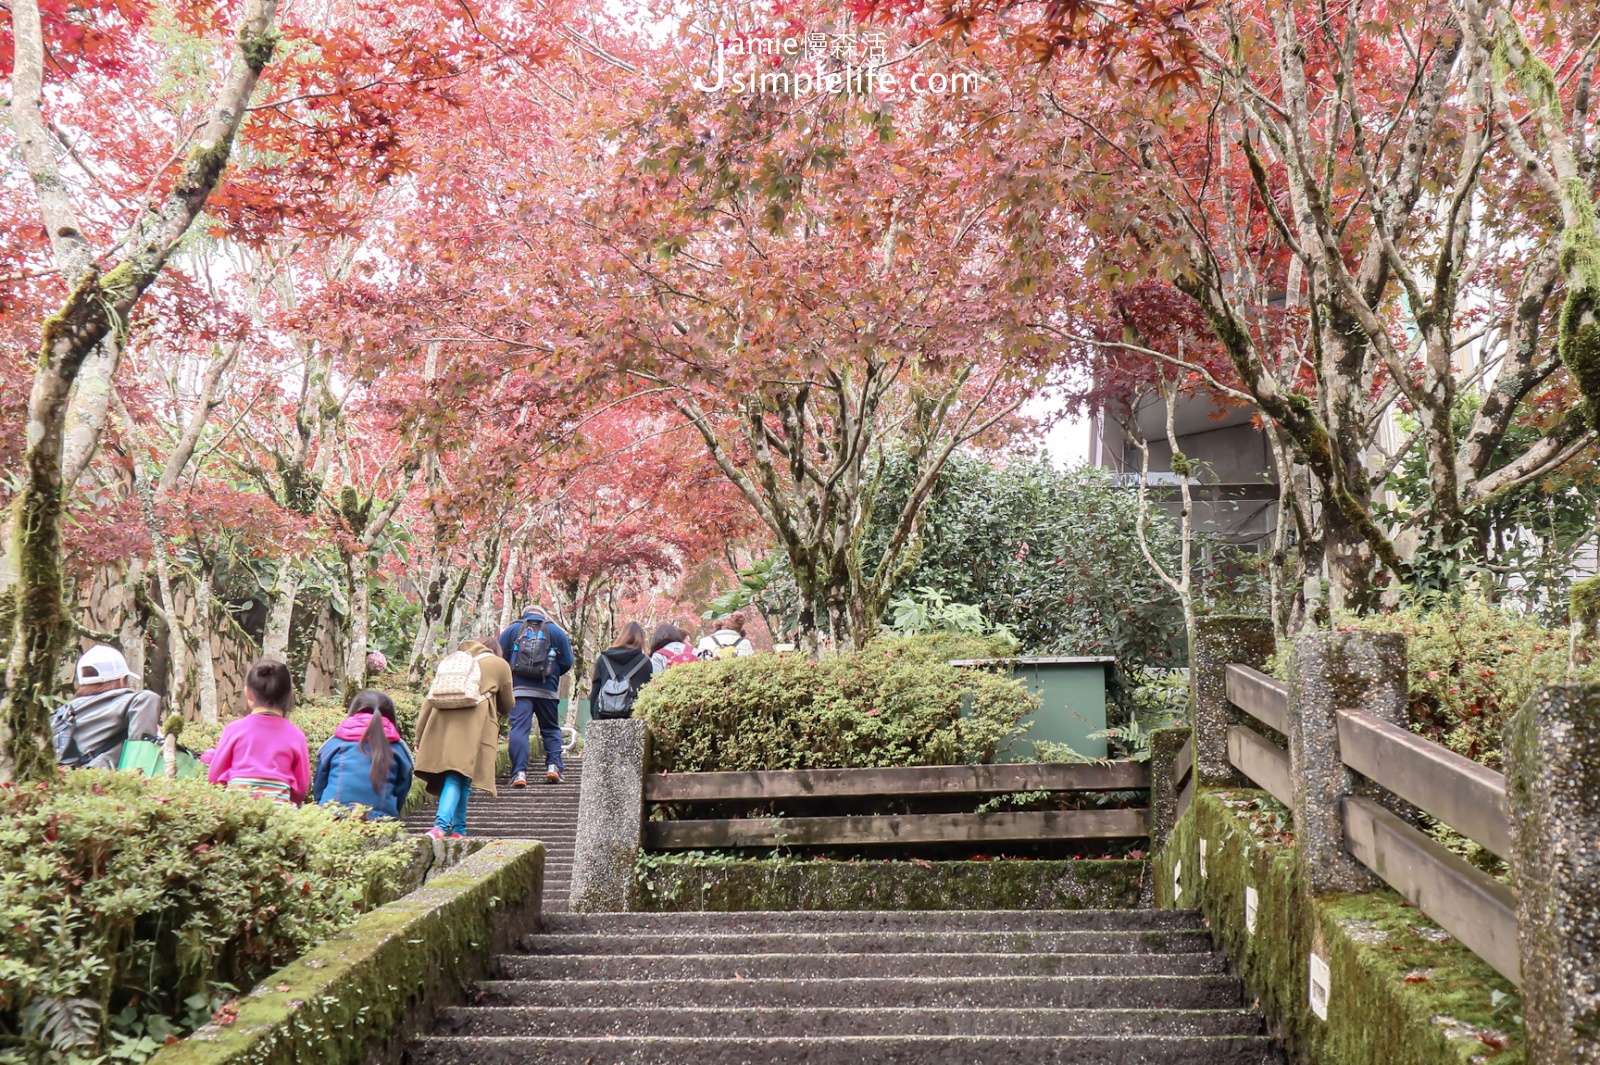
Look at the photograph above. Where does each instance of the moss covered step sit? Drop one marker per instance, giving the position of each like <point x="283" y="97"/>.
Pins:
<point x="851" y="1050"/>
<point x="842" y="966"/>
<point x="867" y="920"/>
<point x="1057" y="992"/>
<point x="767" y="1021"/>
<point x="884" y="942"/>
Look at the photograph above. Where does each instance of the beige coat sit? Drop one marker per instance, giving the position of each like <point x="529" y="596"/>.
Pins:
<point x="465" y="741"/>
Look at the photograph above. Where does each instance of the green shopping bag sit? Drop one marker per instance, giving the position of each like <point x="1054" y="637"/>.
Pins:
<point x="147" y="758"/>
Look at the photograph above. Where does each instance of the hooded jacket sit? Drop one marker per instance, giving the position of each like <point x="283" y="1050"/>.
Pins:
<point x="344" y="773"/>
<point x="102" y="723"/>
<point x="620" y="660"/>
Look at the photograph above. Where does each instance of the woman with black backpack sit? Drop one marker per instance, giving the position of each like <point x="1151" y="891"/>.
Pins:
<point x="619" y="673"/>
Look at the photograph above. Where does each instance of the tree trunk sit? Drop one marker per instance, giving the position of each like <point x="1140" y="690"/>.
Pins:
<point x="508" y="587"/>
<point x="360" y="594"/>
<point x="275" y="641"/>
<point x="422" y="643"/>
<point x="205" y="663"/>
<point x="132" y="630"/>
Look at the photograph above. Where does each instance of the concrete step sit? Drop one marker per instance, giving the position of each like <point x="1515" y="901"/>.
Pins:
<point x="885" y="942"/>
<point x="767" y="1021"/>
<point x="850" y="966"/>
<point x="1016" y="992"/>
<point x="817" y="921"/>
<point x="850" y="1050"/>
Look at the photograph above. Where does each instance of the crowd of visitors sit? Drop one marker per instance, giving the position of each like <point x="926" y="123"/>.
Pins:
<point x="366" y="765"/>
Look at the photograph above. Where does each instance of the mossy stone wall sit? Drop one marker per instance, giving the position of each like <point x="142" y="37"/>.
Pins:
<point x="1401" y="991"/>
<point x="357" y="996"/>
<point x="674" y="885"/>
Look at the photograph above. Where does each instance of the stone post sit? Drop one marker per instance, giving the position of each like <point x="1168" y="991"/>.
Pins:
<point x="1221" y="639"/>
<point x="610" y="815"/>
<point x="1332" y="670"/>
<point x="1552" y="755"/>
<point x="1164" y="746"/>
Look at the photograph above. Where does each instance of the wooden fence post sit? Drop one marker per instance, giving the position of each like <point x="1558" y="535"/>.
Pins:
<point x="1221" y="640"/>
<point x="1553" y="791"/>
<point x="1330" y="670"/>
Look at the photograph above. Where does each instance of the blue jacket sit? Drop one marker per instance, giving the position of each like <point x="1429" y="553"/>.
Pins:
<point x="560" y="650"/>
<point x="344" y="776"/>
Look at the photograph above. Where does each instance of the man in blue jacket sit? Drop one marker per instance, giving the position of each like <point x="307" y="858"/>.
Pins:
<point x="540" y="655"/>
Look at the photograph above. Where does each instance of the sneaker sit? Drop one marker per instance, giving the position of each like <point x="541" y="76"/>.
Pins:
<point x="436" y="833"/>
<point x="520" y="780"/>
<point x="552" y="775"/>
<point x="458" y="835"/>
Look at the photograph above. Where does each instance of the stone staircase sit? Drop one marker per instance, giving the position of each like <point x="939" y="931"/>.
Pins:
<point x="1092" y="987"/>
<point x="541" y="811"/>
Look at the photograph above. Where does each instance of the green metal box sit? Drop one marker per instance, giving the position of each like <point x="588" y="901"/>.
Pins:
<point x="1072" y="697"/>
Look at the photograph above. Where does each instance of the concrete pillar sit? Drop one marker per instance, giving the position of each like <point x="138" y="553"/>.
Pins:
<point x="1553" y="792"/>
<point x="610" y="815"/>
<point x="1221" y="639"/>
<point x="1164" y="746"/>
<point x="1332" y="670"/>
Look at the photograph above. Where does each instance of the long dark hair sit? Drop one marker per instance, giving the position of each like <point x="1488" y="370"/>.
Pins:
<point x="632" y="635"/>
<point x="666" y="634"/>
<point x="375" y="742"/>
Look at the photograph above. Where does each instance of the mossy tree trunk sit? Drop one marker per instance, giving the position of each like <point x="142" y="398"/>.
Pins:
<point x="35" y="625"/>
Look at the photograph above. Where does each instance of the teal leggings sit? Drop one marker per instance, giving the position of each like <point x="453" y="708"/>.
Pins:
<point x="452" y="816"/>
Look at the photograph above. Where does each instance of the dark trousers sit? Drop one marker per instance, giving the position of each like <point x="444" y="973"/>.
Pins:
<point x="522" y="718"/>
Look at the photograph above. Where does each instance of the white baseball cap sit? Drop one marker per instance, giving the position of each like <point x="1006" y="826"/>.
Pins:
<point x="101" y="663"/>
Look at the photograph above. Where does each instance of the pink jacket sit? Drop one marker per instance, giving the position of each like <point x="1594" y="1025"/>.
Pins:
<point x="263" y="747"/>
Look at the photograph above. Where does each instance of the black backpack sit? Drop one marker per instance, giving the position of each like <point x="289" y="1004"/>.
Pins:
<point x="614" y="698"/>
<point x="531" y="658"/>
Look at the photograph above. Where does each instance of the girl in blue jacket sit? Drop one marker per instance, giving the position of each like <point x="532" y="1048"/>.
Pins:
<point x="366" y="762"/>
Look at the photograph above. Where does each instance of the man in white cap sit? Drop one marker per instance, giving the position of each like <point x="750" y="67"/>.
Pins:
<point x="104" y="713"/>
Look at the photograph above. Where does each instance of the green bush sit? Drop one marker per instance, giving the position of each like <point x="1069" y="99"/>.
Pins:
<point x="896" y="702"/>
<point x="1472" y="665"/>
<point x="130" y="909"/>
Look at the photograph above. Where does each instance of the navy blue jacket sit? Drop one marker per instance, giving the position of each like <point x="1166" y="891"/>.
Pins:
<point x="344" y="776"/>
<point x="560" y="650"/>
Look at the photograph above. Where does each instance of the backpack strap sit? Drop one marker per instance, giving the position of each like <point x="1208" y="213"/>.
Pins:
<point x="628" y="676"/>
<point x="604" y="661"/>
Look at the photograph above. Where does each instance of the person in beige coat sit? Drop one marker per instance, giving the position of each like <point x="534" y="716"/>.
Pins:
<point x="456" y="748"/>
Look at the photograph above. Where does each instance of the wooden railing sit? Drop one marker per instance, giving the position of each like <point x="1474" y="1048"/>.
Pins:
<point x="911" y="783"/>
<point x="1468" y="903"/>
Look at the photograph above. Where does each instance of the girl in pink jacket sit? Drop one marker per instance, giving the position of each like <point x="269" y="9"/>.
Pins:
<point x="263" y="752"/>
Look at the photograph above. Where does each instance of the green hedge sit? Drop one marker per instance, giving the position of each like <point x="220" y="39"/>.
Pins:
<point x="896" y="702"/>
<point x="130" y="909"/>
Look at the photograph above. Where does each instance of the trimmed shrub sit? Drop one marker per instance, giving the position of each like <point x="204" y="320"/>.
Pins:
<point x="896" y="702"/>
<point x="130" y="909"/>
<point x="1472" y="665"/>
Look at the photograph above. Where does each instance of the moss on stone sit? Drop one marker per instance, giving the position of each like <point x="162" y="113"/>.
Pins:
<point x="728" y="885"/>
<point x="1402" y="992"/>
<point x="368" y="986"/>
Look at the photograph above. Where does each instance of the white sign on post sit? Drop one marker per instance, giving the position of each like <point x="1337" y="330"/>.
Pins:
<point x="1319" y="987"/>
<point x="1202" y="859"/>
<point x="1251" y="899"/>
<point x="1177" y="881"/>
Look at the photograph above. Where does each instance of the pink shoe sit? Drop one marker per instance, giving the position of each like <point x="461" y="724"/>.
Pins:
<point x="436" y="833"/>
<point x="458" y="835"/>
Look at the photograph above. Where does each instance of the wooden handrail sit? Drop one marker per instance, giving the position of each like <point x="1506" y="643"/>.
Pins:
<point x="1262" y="761"/>
<point x="931" y="780"/>
<point x="1183" y="764"/>
<point x="1466" y="902"/>
<point x="1468" y="797"/>
<point x="1260" y="696"/>
<point x="898" y="828"/>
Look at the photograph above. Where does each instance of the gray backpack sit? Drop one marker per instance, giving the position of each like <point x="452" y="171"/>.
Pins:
<point x="616" y="695"/>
